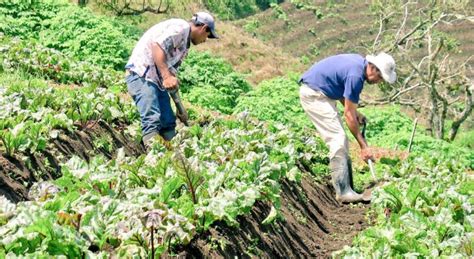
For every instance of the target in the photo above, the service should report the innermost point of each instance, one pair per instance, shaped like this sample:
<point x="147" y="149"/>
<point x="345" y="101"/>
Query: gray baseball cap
<point x="207" y="19"/>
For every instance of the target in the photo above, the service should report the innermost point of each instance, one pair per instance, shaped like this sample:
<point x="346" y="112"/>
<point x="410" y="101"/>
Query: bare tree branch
<point x="125" y="7"/>
<point x="405" y="18"/>
<point x="464" y="114"/>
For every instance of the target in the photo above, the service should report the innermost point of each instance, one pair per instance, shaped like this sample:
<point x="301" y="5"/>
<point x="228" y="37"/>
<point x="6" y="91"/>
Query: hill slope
<point x="326" y="29"/>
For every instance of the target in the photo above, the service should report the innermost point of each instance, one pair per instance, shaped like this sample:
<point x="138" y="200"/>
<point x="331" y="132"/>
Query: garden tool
<point x="180" y="110"/>
<point x="370" y="162"/>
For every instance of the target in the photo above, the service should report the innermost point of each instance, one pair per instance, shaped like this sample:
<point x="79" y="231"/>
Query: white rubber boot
<point x="342" y="184"/>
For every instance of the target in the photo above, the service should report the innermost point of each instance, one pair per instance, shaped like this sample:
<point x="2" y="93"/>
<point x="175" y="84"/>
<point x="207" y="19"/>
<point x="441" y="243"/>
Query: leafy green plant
<point x="14" y="140"/>
<point x="24" y="18"/>
<point x="275" y="100"/>
<point x="33" y="112"/>
<point x="88" y="37"/>
<point x="279" y="13"/>
<point x="74" y="31"/>
<point x="211" y="82"/>
<point x="420" y="214"/>
<point x="389" y="127"/>
<point x="234" y="9"/>
<point x="147" y="205"/>
<point x="105" y="143"/>
<point x="307" y="5"/>
<point x="37" y="60"/>
<point x="251" y="26"/>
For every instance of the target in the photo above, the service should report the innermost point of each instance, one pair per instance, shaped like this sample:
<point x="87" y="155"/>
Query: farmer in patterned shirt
<point x="152" y="67"/>
<point x="341" y="78"/>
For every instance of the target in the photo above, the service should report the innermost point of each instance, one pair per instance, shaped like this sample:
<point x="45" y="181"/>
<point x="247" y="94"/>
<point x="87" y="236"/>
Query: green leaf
<point x="171" y="185"/>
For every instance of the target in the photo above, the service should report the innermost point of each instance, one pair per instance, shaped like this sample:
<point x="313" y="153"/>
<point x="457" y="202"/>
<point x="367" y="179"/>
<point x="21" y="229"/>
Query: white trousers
<point x="324" y="114"/>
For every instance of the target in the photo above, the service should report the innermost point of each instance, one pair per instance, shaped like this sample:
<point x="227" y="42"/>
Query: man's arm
<point x="360" y="117"/>
<point x="159" y="57"/>
<point x="350" y="113"/>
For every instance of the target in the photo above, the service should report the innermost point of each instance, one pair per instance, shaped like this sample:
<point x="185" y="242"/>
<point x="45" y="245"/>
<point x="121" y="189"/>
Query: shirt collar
<point x="365" y="69"/>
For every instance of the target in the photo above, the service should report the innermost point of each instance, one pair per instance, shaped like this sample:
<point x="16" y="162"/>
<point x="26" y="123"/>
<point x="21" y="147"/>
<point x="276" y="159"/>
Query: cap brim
<point x="390" y="78"/>
<point x="213" y="35"/>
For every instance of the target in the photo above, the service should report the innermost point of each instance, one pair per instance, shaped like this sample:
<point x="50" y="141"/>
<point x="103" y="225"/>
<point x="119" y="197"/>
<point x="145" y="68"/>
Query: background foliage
<point x="211" y="82"/>
<point x="234" y="9"/>
<point x="76" y="32"/>
<point x="276" y="100"/>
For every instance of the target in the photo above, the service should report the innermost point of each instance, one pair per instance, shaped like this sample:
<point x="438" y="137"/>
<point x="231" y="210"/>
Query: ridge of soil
<point x="17" y="175"/>
<point x="314" y="225"/>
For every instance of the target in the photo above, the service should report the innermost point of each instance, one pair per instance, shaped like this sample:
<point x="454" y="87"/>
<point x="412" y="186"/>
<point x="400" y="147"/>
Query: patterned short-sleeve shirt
<point x="173" y="36"/>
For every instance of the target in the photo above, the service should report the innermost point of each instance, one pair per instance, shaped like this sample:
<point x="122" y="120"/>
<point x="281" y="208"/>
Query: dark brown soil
<point x="314" y="225"/>
<point x="18" y="174"/>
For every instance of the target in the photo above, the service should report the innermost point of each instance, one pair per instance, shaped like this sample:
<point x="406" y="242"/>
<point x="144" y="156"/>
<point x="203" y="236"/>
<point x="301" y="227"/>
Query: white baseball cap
<point x="207" y="19"/>
<point x="386" y="64"/>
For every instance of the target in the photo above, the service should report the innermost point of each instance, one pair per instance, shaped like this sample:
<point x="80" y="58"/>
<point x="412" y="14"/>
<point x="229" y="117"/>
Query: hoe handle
<point x="370" y="162"/>
<point x="180" y="110"/>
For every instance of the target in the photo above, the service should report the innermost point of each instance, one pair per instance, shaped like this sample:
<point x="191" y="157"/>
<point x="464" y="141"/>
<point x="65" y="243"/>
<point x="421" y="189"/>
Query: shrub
<point x="276" y="100"/>
<point x="211" y="82"/>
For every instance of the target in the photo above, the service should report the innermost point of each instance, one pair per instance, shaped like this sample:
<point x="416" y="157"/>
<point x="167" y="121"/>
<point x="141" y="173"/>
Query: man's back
<point x="340" y="76"/>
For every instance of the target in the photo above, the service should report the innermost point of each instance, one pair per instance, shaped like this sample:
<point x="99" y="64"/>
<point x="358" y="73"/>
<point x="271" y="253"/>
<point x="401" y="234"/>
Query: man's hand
<point x="366" y="154"/>
<point x="170" y="82"/>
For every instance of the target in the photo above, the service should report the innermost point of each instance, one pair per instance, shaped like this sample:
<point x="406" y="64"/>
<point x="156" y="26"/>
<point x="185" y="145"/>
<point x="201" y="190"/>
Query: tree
<point x="429" y="80"/>
<point x="135" y="7"/>
<point x="82" y="3"/>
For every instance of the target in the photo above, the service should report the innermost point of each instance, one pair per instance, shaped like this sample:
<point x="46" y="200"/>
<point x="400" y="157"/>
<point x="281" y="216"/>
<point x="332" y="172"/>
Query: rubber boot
<point x="341" y="181"/>
<point x="367" y="195"/>
<point x="149" y="139"/>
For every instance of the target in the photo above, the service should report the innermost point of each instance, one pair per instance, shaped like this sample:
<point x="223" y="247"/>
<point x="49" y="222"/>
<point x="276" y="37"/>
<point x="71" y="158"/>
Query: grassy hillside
<point x="248" y="55"/>
<point x="258" y="60"/>
<point x="323" y="28"/>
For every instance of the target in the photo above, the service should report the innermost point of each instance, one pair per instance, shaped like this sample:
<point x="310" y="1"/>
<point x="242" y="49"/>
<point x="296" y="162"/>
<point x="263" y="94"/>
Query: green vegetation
<point x="234" y="9"/>
<point x="33" y="58"/>
<point x="76" y="32"/>
<point x="216" y="173"/>
<point x="389" y="127"/>
<point x="61" y="69"/>
<point x="426" y="212"/>
<point x="276" y="100"/>
<point x="211" y="82"/>
<point x="33" y="111"/>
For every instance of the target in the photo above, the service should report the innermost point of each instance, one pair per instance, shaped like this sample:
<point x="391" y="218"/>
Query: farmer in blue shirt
<point x="341" y="78"/>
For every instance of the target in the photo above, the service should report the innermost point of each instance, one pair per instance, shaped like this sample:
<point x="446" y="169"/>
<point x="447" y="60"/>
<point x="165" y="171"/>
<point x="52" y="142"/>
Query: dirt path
<point x="314" y="225"/>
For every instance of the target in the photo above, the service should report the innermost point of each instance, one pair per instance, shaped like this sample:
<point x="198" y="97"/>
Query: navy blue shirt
<point x="340" y="76"/>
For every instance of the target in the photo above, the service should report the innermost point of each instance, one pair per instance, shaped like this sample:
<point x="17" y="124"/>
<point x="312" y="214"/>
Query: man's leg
<point x="324" y="115"/>
<point x="145" y="95"/>
<point x="168" y="119"/>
